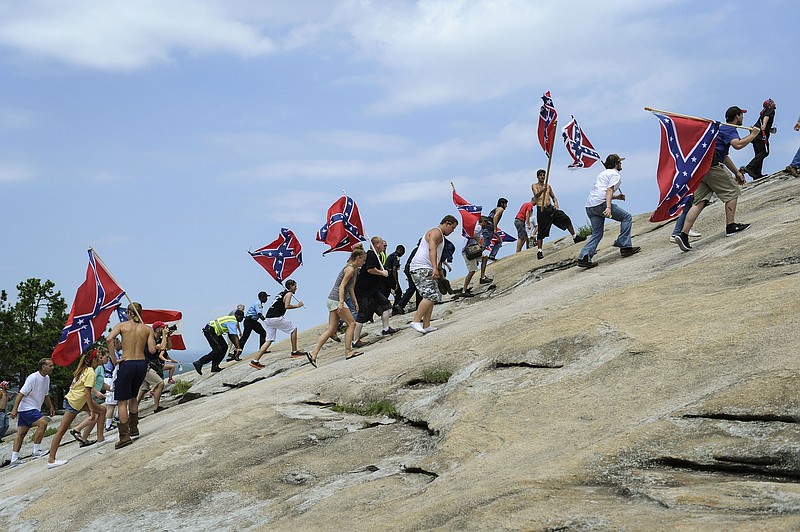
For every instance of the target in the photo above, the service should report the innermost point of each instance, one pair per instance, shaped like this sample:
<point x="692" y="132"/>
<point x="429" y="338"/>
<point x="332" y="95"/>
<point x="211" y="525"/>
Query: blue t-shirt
<point x="254" y="310"/>
<point x="726" y="135"/>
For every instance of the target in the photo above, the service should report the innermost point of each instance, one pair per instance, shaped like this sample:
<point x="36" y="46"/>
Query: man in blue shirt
<point x="251" y="316"/>
<point x="719" y="181"/>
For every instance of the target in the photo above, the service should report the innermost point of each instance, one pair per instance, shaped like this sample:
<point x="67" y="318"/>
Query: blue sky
<point x="173" y="136"/>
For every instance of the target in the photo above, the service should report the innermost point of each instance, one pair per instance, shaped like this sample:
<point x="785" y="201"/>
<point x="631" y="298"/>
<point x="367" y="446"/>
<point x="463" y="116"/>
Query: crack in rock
<point x="764" y="418"/>
<point x="733" y="468"/>
<point x="499" y="365"/>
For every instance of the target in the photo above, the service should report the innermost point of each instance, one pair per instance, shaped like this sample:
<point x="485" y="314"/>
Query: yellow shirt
<point x="77" y="392"/>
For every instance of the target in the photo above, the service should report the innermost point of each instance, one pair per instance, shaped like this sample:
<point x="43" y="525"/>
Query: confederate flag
<point x="170" y="317"/>
<point x="547" y="124"/>
<point x="96" y="299"/>
<point x="687" y="149"/>
<point x="280" y="257"/>
<point x="344" y="229"/>
<point x="470" y="214"/>
<point x="580" y="149"/>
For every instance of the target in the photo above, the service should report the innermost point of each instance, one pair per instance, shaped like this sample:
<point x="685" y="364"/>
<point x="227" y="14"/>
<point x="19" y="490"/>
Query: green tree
<point x="29" y="331"/>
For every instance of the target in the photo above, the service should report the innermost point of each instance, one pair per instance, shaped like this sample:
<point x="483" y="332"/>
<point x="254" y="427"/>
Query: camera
<point x="172" y="328"/>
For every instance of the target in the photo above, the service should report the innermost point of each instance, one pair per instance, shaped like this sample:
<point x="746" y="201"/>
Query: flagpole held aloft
<point x="547" y="172"/>
<point x="695" y="118"/>
<point x="130" y="302"/>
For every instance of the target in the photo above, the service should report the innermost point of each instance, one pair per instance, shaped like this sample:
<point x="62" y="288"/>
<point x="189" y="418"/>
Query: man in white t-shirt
<point x="28" y="405"/>
<point x="599" y="206"/>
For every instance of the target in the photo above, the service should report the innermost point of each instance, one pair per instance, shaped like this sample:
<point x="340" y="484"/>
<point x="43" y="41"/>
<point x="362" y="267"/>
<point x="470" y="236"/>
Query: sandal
<point x="77" y="436"/>
<point x="313" y="362"/>
<point x="354" y="354"/>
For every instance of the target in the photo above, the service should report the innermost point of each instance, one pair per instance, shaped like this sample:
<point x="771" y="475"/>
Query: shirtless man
<point x="548" y="213"/>
<point x="132" y="369"/>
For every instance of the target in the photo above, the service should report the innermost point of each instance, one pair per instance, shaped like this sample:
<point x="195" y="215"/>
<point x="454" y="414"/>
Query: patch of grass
<point x="584" y="230"/>
<point x="180" y="387"/>
<point x="375" y="408"/>
<point x="436" y="376"/>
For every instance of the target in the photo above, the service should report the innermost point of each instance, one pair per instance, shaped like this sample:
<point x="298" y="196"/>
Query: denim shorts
<point x="68" y="408"/>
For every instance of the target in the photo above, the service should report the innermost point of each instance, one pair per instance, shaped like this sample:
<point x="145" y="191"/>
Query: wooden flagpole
<point x="549" y="160"/>
<point x="97" y="257"/>
<point x="695" y="118"/>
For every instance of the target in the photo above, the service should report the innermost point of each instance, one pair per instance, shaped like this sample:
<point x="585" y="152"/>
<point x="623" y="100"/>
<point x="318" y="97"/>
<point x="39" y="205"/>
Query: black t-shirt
<point x="392" y="262"/>
<point x="368" y="284"/>
<point x="769" y="112"/>
<point x="277" y="309"/>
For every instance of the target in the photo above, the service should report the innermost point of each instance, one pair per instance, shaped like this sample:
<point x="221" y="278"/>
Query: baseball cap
<point x="612" y="160"/>
<point x="769" y="102"/>
<point x="158" y="324"/>
<point x="732" y="111"/>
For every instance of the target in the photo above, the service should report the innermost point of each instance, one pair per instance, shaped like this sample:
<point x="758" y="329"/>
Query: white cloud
<point x="15" y="172"/>
<point x="122" y="35"/>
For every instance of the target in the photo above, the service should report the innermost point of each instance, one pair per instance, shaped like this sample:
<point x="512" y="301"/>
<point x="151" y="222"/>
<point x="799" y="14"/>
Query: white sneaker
<point x="417" y="326"/>
<point x="694" y="234"/>
<point x="57" y="463"/>
<point x="430" y="329"/>
<point x="16" y="463"/>
<point x="39" y="454"/>
<point x="109" y="439"/>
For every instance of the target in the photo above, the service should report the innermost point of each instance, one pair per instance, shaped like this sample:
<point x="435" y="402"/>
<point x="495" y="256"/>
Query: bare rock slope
<point x="653" y="392"/>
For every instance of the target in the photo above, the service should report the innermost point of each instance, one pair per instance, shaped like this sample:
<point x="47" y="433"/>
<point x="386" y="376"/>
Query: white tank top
<point x="422" y="259"/>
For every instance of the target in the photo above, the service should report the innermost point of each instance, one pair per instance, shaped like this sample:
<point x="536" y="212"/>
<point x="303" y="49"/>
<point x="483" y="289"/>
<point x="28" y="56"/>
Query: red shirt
<point x="525" y="209"/>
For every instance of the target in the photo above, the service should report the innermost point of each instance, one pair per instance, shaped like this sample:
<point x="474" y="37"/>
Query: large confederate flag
<point x="343" y="229"/>
<point x="687" y="149"/>
<point x="96" y="299"/>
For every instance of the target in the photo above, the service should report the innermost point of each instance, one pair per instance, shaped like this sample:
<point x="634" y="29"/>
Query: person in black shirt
<point x="368" y="292"/>
<point x="761" y="143"/>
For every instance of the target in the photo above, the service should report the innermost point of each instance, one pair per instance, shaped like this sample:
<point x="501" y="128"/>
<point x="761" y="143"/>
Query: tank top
<point x="422" y="260"/>
<point x="334" y="295"/>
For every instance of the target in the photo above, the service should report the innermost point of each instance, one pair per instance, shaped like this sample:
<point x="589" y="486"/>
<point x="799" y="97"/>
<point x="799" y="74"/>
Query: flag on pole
<point x="95" y="301"/>
<point x="470" y="214"/>
<point x="501" y="236"/>
<point x="169" y="317"/>
<point x="280" y="257"/>
<point x="687" y="150"/>
<point x="580" y="149"/>
<point x="547" y="124"/>
<point x="344" y="229"/>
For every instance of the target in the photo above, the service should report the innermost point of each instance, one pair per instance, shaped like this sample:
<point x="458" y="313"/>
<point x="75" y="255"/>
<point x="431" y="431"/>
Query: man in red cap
<point x="718" y="180"/>
<point x="761" y="142"/>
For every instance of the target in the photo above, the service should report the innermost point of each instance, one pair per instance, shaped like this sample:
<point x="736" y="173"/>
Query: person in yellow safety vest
<point x="214" y="332"/>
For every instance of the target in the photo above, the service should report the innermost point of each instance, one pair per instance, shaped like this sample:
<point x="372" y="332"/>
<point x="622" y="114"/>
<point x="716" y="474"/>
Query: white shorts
<point x="110" y="393"/>
<point x="472" y="265"/>
<point x="273" y="325"/>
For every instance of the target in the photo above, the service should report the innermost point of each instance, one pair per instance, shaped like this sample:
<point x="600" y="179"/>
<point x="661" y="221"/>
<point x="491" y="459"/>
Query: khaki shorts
<point x="720" y="182"/>
<point x="151" y="380"/>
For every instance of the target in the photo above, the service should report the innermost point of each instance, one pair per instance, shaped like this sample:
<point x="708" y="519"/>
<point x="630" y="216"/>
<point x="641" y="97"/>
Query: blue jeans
<point x="598" y="222"/>
<point x="796" y="160"/>
<point x="682" y="218"/>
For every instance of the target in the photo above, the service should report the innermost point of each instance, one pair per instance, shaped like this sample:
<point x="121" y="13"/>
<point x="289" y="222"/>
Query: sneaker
<point x="160" y="409"/>
<point x="389" y="331"/>
<point x="359" y="344"/>
<point x="467" y="294"/>
<point x="586" y="263"/>
<point x="485" y="280"/>
<point x="430" y="329"/>
<point x="539" y="255"/>
<point x="732" y="229"/>
<point x="39" y="454"/>
<point x="215" y="370"/>
<point x="257" y="365"/>
<point x="578" y="238"/>
<point x="683" y="242"/>
<point x="15" y="463"/>
<point x="197" y="367"/>
<point x="694" y="234"/>
<point x="417" y="326"/>
<point x="56" y="463"/>
<point x="627" y="252"/>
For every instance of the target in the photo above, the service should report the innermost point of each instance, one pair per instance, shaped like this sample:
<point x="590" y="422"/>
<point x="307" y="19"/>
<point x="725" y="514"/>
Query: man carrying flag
<point x="718" y="181"/>
<point x="136" y="337"/>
